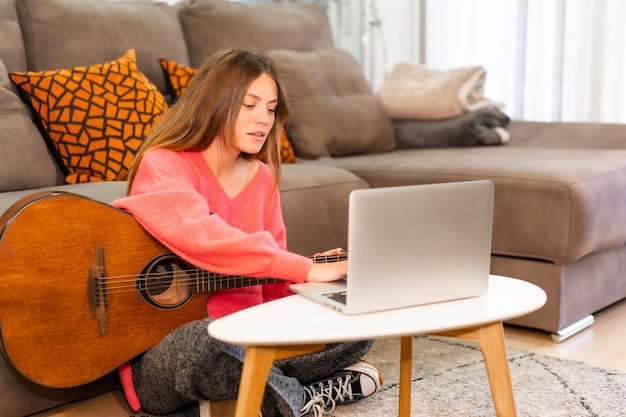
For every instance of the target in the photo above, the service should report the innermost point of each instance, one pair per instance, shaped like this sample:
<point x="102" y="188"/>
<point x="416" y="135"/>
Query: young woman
<point x="205" y="184"/>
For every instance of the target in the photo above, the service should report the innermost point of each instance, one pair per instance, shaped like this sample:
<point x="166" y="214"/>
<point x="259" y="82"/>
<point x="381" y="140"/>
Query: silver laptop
<point x="412" y="245"/>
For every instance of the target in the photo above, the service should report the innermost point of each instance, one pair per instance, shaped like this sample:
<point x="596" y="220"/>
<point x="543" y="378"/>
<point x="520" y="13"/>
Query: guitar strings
<point x="120" y="284"/>
<point x="200" y="278"/>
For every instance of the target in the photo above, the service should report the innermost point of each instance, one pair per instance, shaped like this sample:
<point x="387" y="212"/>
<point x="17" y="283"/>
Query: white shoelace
<point x="331" y="393"/>
<point x="317" y="404"/>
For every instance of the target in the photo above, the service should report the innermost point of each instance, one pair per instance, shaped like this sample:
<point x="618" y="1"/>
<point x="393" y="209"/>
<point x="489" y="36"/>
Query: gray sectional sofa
<point x="560" y="189"/>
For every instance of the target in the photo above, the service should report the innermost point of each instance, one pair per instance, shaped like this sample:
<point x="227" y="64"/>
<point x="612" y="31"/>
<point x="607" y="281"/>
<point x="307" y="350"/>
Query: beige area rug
<point x="449" y="379"/>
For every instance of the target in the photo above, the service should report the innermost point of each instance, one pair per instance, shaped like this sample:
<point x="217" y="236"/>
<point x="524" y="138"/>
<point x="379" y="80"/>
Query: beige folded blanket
<point x="413" y="91"/>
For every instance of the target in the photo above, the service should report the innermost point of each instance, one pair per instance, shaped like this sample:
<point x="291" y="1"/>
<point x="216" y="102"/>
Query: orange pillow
<point x="94" y="118"/>
<point x="178" y="78"/>
<point x="287" y="154"/>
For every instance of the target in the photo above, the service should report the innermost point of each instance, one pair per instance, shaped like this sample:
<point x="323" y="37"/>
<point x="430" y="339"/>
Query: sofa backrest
<point x="26" y="161"/>
<point x="11" y="41"/>
<point x="69" y="33"/>
<point x="40" y="35"/>
<point x="211" y="25"/>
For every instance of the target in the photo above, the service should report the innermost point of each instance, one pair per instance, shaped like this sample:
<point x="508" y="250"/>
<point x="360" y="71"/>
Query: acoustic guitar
<point x="84" y="288"/>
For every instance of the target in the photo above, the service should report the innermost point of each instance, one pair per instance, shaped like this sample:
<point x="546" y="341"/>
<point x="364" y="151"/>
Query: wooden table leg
<point x="221" y="408"/>
<point x="406" y="376"/>
<point x="490" y="338"/>
<point x="256" y="368"/>
<point x="493" y="347"/>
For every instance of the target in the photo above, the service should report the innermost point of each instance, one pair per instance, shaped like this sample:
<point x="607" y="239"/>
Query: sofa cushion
<point x="11" y="42"/>
<point x="211" y="26"/>
<point x="26" y="162"/>
<point x="94" y="117"/>
<point x="589" y="135"/>
<point x="179" y="78"/>
<point x="70" y="33"/>
<point x="105" y="191"/>
<point x="334" y="110"/>
<point x="314" y="200"/>
<point x="557" y="205"/>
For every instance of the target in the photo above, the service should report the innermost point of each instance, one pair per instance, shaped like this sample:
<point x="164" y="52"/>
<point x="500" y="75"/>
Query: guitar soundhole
<point x="166" y="281"/>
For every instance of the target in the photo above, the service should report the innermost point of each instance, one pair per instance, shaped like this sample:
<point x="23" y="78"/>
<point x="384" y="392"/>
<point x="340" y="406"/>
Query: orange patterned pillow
<point x="93" y="117"/>
<point x="178" y="78"/>
<point x="287" y="154"/>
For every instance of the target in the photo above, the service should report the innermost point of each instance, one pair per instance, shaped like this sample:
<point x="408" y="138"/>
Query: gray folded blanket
<point x="484" y="126"/>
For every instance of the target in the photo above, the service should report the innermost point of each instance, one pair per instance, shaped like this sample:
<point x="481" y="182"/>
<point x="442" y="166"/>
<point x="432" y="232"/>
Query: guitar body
<point x="73" y="303"/>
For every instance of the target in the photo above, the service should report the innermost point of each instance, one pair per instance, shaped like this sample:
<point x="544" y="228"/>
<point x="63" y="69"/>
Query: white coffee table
<point x="294" y="325"/>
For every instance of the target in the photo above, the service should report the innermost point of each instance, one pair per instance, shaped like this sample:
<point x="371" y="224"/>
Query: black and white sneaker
<point x="346" y="386"/>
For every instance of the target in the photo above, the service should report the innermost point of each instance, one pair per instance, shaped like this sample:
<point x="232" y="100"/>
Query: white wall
<point x="346" y="21"/>
<point x="391" y="35"/>
<point x="546" y="60"/>
<point x="379" y="33"/>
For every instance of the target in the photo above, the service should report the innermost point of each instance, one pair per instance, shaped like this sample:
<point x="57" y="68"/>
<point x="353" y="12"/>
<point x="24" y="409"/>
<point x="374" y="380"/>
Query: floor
<point x="603" y="344"/>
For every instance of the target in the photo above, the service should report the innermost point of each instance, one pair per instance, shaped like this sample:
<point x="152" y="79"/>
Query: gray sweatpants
<point x="188" y="366"/>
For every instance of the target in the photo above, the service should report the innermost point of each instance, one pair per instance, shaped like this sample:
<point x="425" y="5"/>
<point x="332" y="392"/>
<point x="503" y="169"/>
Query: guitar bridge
<point x="97" y="291"/>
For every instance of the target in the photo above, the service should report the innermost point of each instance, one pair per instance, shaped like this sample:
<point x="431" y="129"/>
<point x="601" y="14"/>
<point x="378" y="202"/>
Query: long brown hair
<point x="209" y="109"/>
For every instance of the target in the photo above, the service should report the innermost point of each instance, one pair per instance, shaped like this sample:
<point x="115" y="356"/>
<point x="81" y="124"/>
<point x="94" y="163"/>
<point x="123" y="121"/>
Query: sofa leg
<point x="572" y="329"/>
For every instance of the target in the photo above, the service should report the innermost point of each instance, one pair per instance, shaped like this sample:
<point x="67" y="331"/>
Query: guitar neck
<point x="207" y="282"/>
<point x="322" y="259"/>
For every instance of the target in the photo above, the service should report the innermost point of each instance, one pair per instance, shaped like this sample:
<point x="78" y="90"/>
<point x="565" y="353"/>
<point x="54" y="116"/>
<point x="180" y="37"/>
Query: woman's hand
<point x="328" y="271"/>
<point x="331" y="252"/>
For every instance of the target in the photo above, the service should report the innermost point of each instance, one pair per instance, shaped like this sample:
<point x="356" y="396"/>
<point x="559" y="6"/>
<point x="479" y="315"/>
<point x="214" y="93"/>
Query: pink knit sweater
<point x="177" y="198"/>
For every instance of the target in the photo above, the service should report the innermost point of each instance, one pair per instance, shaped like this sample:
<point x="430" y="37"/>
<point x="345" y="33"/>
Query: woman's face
<point x="257" y="114"/>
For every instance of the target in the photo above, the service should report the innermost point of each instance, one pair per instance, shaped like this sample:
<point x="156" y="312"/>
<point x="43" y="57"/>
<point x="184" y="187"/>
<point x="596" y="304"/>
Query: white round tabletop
<point x="296" y="320"/>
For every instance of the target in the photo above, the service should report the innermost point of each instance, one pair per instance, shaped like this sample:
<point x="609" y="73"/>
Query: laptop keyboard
<point x="338" y="296"/>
